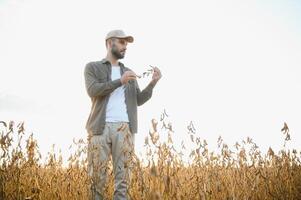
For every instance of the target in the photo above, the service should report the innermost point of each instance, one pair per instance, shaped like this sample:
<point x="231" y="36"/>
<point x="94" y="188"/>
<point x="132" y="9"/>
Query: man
<point x="112" y="123"/>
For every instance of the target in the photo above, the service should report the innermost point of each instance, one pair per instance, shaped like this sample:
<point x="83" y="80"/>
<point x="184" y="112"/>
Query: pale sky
<point x="231" y="67"/>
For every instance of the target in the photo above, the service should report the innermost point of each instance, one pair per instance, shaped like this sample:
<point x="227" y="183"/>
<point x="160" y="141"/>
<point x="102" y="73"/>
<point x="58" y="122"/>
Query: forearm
<point x="103" y="89"/>
<point x="145" y="94"/>
<point x="98" y="87"/>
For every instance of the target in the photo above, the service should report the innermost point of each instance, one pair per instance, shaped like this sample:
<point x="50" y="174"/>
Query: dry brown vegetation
<point x="239" y="173"/>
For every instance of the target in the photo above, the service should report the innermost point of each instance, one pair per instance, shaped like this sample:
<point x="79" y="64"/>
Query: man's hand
<point x="156" y="75"/>
<point x="128" y="75"/>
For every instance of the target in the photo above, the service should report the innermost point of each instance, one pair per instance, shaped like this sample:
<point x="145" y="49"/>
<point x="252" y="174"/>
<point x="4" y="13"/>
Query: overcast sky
<point x="231" y="67"/>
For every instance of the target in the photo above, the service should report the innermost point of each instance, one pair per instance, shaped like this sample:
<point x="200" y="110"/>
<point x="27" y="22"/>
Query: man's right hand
<point x="128" y="75"/>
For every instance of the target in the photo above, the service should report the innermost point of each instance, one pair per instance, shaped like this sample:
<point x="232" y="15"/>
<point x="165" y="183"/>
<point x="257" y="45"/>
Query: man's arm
<point x="94" y="87"/>
<point x="144" y="95"/>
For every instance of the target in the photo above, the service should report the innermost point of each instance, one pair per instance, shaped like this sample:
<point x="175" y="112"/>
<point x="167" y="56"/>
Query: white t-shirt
<point x="116" y="108"/>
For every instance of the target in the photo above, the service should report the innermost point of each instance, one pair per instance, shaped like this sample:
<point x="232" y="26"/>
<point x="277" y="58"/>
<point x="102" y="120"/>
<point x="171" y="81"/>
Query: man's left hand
<point x="156" y="75"/>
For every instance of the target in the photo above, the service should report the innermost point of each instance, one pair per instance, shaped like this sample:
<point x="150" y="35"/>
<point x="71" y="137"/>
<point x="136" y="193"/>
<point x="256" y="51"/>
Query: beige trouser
<point x="118" y="141"/>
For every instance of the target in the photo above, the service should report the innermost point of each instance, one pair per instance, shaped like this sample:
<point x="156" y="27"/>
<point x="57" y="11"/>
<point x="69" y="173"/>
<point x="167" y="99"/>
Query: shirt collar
<point x="104" y="60"/>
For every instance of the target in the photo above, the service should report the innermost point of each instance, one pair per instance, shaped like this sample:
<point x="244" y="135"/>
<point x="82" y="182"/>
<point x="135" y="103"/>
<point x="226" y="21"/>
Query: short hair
<point x="113" y="39"/>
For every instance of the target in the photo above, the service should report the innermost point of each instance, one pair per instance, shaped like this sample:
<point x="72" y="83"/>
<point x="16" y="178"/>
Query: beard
<point x="116" y="53"/>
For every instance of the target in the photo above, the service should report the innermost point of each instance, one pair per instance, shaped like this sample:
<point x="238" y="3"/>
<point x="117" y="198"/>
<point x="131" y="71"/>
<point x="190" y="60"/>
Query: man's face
<point x="118" y="47"/>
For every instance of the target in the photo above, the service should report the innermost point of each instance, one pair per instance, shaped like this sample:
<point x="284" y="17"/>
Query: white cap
<point x="119" y="34"/>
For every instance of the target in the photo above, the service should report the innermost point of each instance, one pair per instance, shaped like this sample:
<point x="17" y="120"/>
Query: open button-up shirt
<point x="99" y="85"/>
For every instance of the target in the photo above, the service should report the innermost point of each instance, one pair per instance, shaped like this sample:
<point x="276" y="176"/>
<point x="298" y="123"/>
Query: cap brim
<point x="128" y="38"/>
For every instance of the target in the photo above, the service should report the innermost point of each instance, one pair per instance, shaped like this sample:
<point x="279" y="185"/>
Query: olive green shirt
<point x="99" y="86"/>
